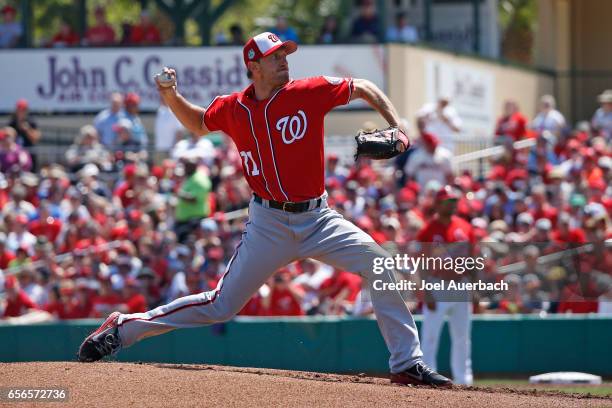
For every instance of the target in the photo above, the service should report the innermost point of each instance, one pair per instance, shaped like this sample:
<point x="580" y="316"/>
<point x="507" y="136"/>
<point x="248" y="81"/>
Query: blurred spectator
<point x="512" y="300"/>
<point x="602" y="119"/>
<point x="145" y="32"/>
<point x="312" y="276"/>
<point x="402" y="31"/>
<point x="440" y="119"/>
<point x="194" y="146"/>
<point x="70" y="301"/>
<point x="6" y="255"/>
<point x="127" y="142"/>
<point x="284" y="297"/>
<point x="512" y="123"/>
<point x="18" y="302"/>
<point x="101" y="33"/>
<point x="21" y="258"/>
<point x="193" y="203"/>
<point x="430" y="162"/>
<point x="126" y="33"/>
<point x="133" y="301"/>
<point x="548" y="117"/>
<point x="236" y="35"/>
<point x="339" y="292"/>
<point x="18" y="205"/>
<point x="366" y="26"/>
<point x="134" y="182"/>
<point x="132" y="102"/>
<point x="65" y="37"/>
<point x="88" y="182"/>
<point x="30" y="282"/>
<point x="330" y="31"/>
<point x="13" y="158"/>
<point x="87" y="149"/>
<point x="46" y="225"/>
<point x="335" y="172"/>
<point x="542" y="156"/>
<point x="106" y="299"/>
<point x="107" y="118"/>
<point x="534" y="300"/>
<point x="10" y="30"/>
<point x="28" y="134"/>
<point x="168" y="130"/>
<point x="283" y="31"/>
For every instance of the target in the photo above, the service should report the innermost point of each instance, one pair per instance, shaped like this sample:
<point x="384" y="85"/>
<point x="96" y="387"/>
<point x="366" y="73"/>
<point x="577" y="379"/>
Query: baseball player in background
<point x="447" y="235"/>
<point x="277" y="126"/>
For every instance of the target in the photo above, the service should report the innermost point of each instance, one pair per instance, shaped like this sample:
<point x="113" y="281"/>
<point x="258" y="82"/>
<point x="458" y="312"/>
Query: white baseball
<point x="165" y="80"/>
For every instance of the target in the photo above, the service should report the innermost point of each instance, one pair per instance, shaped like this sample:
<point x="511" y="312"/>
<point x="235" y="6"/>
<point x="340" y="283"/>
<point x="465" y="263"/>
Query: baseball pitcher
<point x="277" y="126"/>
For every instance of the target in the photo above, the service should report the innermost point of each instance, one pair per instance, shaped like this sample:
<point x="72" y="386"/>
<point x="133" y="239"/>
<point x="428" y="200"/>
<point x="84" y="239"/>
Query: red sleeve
<point x="137" y="304"/>
<point x="27" y="302"/>
<point x="423" y="235"/>
<point x="521" y="131"/>
<point x="331" y="91"/>
<point x="218" y="113"/>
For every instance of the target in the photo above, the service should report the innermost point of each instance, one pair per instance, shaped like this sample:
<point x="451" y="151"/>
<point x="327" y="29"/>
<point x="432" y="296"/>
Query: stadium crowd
<point x="363" y="27"/>
<point x="113" y="228"/>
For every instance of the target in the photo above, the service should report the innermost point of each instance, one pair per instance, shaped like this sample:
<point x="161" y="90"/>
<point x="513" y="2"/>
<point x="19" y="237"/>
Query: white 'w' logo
<point x="295" y="125"/>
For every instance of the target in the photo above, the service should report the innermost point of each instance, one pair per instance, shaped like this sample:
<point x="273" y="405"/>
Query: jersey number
<point x="251" y="171"/>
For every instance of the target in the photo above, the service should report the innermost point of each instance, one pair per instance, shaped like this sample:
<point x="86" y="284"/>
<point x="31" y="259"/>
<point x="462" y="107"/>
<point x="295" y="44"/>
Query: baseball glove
<point x="381" y="144"/>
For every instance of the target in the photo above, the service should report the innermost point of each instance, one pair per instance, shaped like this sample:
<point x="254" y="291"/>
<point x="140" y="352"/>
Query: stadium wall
<point x="500" y="344"/>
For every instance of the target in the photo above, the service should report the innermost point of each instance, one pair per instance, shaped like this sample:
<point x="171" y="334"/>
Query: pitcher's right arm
<point x="191" y="116"/>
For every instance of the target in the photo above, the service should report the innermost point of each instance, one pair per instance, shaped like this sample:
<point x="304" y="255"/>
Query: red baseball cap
<point x="446" y="193"/>
<point x="129" y="170"/>
<point x="21" y="219"/>
<point x="265" y="44"/>
<point x="430" y="139"/>
<point x="21" y="104"/>
<point x="132" y="98"/>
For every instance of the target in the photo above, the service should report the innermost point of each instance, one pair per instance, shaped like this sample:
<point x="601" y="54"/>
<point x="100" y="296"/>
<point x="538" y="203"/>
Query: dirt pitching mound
<point x="167" y="385"/>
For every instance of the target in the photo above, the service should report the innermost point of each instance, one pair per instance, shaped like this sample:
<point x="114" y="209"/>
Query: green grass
<point x="603" y="390"/>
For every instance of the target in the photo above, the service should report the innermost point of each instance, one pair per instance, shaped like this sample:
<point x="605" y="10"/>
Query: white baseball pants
<point x="459" y="324"/>
<point x="272" y="239"/>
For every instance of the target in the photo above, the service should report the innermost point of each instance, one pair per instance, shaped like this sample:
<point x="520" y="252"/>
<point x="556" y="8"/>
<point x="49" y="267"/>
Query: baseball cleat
<point x="102" y="342"/>
<point x="420" y="374"/>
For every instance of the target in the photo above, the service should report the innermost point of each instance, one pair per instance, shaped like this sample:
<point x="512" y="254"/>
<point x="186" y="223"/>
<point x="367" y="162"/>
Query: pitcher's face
<point x="272" y="69"/>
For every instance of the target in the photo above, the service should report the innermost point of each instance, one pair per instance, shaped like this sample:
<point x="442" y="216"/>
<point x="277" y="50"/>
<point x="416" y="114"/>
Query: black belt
<point x="289" y="206"/>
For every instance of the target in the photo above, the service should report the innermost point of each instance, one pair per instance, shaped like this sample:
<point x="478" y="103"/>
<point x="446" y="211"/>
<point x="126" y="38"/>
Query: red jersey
<point x="100" y="35"/>
<point x="72" y="309"/>
<point x="280" y="139"/>
<point x="49" y="228"/>
<point x="514" y="126"/>
<point x="19" y="306"/>
<point x="68" y="39"/>
<point x="6" y="256"/>
<point x="344" y="280"/>
<point x="283" y="303"/>
<point x="136" y="303"/>
<point x="145" y="35"/>
<point x="435" y="232"/>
